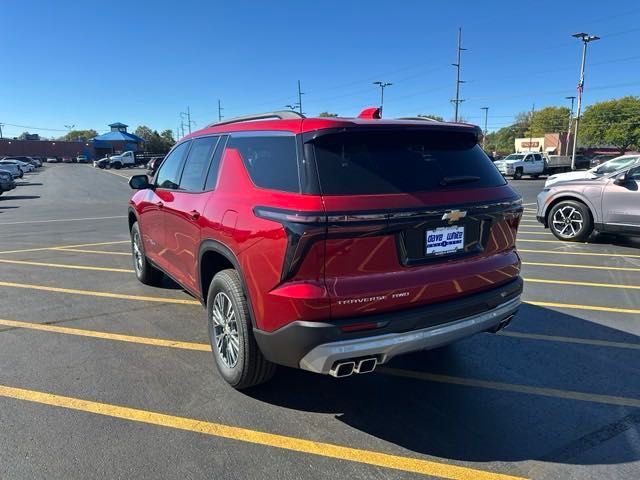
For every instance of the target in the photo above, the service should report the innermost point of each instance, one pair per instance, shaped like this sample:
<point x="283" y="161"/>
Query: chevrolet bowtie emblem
<point x="454" y="215"/>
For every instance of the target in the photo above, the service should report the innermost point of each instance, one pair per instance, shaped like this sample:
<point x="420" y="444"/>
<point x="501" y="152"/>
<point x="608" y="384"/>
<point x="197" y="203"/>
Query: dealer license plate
<point x="444" y="240"/>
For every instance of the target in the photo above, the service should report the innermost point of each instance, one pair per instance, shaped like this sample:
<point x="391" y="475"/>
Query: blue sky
<point x="93" y="63"/>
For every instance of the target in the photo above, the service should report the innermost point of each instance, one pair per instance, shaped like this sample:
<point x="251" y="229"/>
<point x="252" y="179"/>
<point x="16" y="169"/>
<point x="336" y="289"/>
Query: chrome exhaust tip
<point x="502" y="325"/>
<point x="342" y="369"/>
<point x="366" y="365"/>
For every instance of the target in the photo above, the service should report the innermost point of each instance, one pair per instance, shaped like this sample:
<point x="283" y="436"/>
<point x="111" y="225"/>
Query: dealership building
<point x="116" y="140"/>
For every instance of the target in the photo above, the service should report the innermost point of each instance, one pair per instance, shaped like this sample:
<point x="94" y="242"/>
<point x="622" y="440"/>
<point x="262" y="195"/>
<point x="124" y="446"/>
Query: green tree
<point x="327" y="114"/>
<point x="614" y="122"/>
<point x="434" y="117"/>
<point x="155" y="142"/>
<point x="549" y="120"/>
<point x="79" y="135"/>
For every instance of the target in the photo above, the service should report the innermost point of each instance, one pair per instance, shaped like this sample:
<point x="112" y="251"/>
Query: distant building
<point x="117" y="140"/>
<point x="551" y="144"/>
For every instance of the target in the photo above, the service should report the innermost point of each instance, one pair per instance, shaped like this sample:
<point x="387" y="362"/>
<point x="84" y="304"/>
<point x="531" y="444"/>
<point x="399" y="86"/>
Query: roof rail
<point x="278" y="115"/>
<point x="422" y="119"/>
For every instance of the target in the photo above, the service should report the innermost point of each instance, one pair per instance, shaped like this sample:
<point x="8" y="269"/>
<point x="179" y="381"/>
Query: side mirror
<point x="621" y="179"/>
<point x="140" y="182"/>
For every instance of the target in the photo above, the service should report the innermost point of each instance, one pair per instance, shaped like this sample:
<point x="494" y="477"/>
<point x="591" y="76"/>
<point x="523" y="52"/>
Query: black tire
<point x="518" y="174"/>
<point x="145" y="272"/>
<point x="577" y="222"/>
<point x="250" y="367"/>
<point x="535" y="176"/>
<point x="117" y="165"/>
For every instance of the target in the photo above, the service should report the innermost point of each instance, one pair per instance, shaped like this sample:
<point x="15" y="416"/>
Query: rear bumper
<point x="317" y="346"/>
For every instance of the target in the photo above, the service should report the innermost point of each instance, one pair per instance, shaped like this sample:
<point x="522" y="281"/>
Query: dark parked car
<point x="7" y="182"/>
<point x="153" y="165"/>
<point x="331" y="244"/>
<point x="607" y="203"/>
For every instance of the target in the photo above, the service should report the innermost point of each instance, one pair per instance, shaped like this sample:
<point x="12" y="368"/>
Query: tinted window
<point x="401" y="161"/>
<point x="270" y="160"/>
<point x="169" y="172"/>
<point x="212" y="176"/>
<point x="634" y="174"/>
<point x="197" y="164"/>
<point x="537" y="157"/>
<point x="615" y="165"/>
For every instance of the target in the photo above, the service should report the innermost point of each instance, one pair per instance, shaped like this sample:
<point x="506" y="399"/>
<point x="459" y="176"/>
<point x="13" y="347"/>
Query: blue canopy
<point x="118" y="137"/>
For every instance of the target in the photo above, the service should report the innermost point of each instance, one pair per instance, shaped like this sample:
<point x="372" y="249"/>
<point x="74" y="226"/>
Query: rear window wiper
<point x="458" y="179"/>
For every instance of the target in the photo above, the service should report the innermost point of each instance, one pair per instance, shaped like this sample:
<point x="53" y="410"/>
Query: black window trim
<point x="180" y="167"/>
<point x="184" y="163"/>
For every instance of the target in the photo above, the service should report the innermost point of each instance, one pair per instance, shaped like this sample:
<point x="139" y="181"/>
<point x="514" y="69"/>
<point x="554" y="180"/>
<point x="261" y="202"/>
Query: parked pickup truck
<point x="535" y="164"/>
<point x="126" y="159"/>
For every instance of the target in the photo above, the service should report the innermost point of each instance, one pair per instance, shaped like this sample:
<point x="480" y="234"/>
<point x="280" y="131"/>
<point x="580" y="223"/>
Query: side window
<point x="272" y="161"/>
<point x="169" y="172"/>
<point x="537" y="157"/>
<point x="634" y="174"/>
<point x="212" y="176"/>
<point x="197" y="164"/>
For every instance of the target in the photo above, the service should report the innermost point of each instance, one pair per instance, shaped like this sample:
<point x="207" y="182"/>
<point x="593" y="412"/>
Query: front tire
<point x="235" y="351"/>
<point x="145" y="272"/>
<point x="518" y="174"/>
<point x="570" y="221"/>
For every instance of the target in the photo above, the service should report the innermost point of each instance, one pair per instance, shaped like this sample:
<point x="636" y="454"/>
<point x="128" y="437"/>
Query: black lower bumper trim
<point x="289" y="344"/>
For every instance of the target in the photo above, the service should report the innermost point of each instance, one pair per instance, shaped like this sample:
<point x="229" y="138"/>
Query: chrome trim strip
<point x="322" y="358"/>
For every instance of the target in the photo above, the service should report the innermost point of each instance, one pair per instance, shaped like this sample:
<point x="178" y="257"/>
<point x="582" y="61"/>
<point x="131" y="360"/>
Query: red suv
<point x="331" y="244"/>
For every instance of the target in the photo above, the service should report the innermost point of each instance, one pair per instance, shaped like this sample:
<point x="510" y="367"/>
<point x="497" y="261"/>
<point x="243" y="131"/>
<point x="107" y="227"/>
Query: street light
<point x="486" y="116"/>
<point x="572" y="98"/>
<point x="585" y="38"/>
<point x="382" y="86"/>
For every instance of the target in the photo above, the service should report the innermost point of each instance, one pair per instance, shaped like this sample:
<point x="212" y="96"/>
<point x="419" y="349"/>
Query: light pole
<point x="585" y="38"/>
<point x="572" y="98"/>
<point x="486" y="117"/>
<point x="382" y="86"/>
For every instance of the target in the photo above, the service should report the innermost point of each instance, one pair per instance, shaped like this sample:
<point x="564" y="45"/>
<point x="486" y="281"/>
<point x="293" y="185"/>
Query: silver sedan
<point x="573" y="209"/>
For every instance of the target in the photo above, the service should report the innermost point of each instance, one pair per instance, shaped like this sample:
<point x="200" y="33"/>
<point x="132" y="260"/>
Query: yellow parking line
<point x="61" y="220"/>
<point x="580" y="341"/>
<point x="93" y="293"/>
<point x="517" y="388"/>
<point x="71" y="267"/>
<point x="539" y="241"/>
<point x="533" y="233"/>
<point x="114" y="173"/>
<point x="591" y="254"/>
<point x="588" y="267"/>
<point x="40" y="249"/>
<point x="327" y="450"/>
<point x="102" y="252"/>
<point x="156" y="342"/>
<point x="594" y="308"/>
<point x="582" y="284"/>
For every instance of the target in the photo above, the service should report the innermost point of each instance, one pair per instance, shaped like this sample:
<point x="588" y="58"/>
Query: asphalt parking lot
<point x="103" y="377"/>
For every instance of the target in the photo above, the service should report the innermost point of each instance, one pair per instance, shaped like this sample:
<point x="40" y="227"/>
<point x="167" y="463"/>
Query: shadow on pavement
<point x="20" y="197"/>
<point x="466" y="423"/>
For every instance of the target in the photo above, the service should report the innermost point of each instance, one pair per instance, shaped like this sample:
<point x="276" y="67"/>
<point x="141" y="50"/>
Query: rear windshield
<point x="401" y="161"/>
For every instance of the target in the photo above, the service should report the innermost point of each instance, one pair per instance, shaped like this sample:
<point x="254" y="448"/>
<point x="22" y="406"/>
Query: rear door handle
<point x="194" y="214"/>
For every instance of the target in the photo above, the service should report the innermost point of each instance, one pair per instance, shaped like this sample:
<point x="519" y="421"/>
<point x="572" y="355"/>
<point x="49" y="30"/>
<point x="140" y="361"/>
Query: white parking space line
<point x="63" y="220"/>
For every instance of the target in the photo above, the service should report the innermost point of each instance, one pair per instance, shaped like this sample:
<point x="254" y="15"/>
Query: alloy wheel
<point x="137" y="253"/>
<point x="567" y="221"/>
<point x="225" y="328"/>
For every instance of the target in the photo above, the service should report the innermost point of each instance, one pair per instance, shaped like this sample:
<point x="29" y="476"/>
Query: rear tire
<point x="235" y="351"/>
<point x="518" y="174"/>
<point x="570" y="221"/>
<point x="145" y="272"/>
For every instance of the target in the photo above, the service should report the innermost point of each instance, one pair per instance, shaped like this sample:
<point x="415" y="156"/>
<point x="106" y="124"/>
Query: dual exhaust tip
<point x="346" y="368"/>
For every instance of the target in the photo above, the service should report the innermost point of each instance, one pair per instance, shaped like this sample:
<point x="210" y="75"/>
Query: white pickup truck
<point x="518" y="164"/>
<point x="534" y="164"/>
<point x="126" y="159"/>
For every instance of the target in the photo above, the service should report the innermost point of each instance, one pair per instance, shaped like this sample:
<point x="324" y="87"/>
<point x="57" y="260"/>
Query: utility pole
<point x="182" y="125"/>
<point x="189" y="122"/>
<point x="486" y="117"/>
<point x="572" y="98"/>
<point x="1" y="125"/>
<point x="533" y="110"/>
<point x="300" y="97"/>
<point x="585" y="38"/>
<point x="382" y="86"/>
<point x="457" y="101"/>
<point x="178" y="132"/>
<point x="219" y="111"/>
